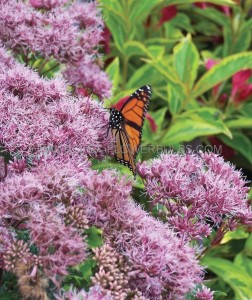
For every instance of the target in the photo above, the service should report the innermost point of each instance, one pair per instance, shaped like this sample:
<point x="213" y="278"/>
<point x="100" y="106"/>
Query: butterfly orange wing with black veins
<point x="126" y="126"/>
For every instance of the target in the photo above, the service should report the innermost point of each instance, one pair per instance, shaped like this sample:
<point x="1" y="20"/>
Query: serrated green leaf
<point x="195" y="123"/>
<point x="113" y="71"/>
<point x="239" y="142"/>
<point x="186" y="61"/>
<point x="239" y="280"/>
<point x="222" y="71"/>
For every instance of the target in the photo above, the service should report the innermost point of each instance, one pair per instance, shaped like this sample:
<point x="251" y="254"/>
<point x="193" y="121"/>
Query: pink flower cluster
<point x="54" y="195"/>
<point x="36" y="201"/>
<point x="70" y="33"/>
<point x="38" y="115"/>
<point x="193" y="190"/>
<point x="163" y="266"/>
<point x="94" y="293"/>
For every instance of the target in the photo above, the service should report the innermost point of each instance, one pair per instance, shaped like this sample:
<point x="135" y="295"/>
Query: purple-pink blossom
<point x="47" y="4"/>
<point x="37" y="201"/>
<point x="204" y="293"/>
<point x="88" y="75"/>
<point x="67" y="32"/>
<point x="38" y="115"/>
<point x="94" y="293"/>
<point x="196" y="189"/>
<point x="58" y="32"/>
<point x="163" y="266"/>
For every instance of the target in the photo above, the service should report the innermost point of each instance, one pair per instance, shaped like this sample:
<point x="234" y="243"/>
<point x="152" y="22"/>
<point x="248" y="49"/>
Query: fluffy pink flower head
<point x="88" y="75"/>
<point x="48" y="4"/>
<point x="162" y="265"/>
<point x="37" y="201"/>
<point x="94" y="293"/>
<point x="204" y="293"/>
<point x="67" y="32"/>
<point x="38" y="115"/>
<point x="195" y="189"/>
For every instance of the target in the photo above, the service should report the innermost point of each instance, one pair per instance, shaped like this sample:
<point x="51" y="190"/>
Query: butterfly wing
<point x="133" y="111"/>
<point x="123" y="152"/>
<point x="126" y="126"/>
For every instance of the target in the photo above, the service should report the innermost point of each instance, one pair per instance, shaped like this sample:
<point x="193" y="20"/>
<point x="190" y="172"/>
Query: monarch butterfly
<point x="126" y="126"/>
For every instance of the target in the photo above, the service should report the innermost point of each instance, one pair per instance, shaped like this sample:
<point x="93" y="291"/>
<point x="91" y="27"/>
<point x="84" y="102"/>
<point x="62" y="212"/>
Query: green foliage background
<point x="171" y="58"/>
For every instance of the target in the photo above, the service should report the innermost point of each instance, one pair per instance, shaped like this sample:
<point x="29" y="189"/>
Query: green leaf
<point x="228" y="41"/>
<point x="246" y="109"/>
<point x="94" y="237"/>
<point x="86" y="268"/>
<point x="219" y="2"/>
<point x="238" y="234"/>
<point x="114" y="16"/>
<point x="158" y="116"/>
<point x="243" y="40"/>
<point x="213" y="15"/>
<point x="175" y="99"/>
<point x="222" y="71"/>
<point x="133" y="48"/>
<point x="163" y="66"/>
<point x="182" y="21"/>
<point x="113" y="71"/>
<point x="195" y="123"/>
<point x="146" y="74"/>
<point x="239" y="123"/>
<point x="239" y="142"/>
<point x="239" y="280"/>
<point x="244" y="263"/>
<point x="139" y="10"/>
<point x="186" y="61"/>
<point x="248" y="246"/>
<point x="156" y="51"/>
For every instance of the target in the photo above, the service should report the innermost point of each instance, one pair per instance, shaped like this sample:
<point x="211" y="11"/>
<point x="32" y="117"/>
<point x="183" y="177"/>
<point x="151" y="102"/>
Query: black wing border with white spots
<point x="145" y="88"/>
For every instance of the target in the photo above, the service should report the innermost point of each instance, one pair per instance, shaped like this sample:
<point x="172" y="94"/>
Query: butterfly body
<point x="126" y="126"/>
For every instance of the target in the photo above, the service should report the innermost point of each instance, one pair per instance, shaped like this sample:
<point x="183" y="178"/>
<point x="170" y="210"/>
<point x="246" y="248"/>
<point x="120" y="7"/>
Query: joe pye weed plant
<point x="68" y="230"/>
